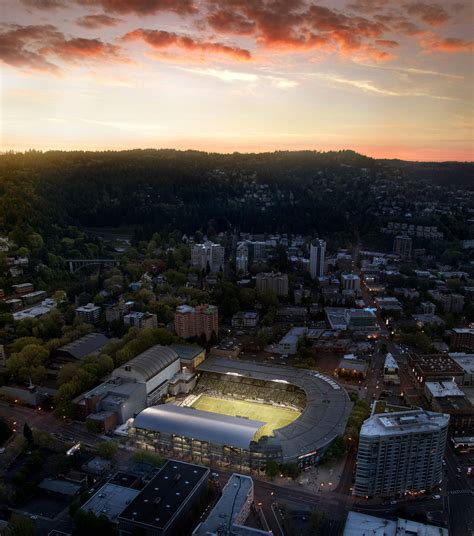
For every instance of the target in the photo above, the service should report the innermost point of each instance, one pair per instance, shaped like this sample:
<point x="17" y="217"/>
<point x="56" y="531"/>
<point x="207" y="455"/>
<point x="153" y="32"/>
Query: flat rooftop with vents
<point x="164" y="500"/>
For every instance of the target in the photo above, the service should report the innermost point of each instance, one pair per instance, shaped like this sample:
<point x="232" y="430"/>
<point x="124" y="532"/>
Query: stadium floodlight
<point x="233" y="374"/>
<point x="280" y="381"/>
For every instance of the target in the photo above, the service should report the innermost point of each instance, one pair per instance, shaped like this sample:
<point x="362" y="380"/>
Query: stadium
<point x="244" y="414"/>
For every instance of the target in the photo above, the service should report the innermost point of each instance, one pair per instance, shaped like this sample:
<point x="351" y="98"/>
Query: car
<point x="393" y="502"/>
<point x="436" y="497"/>
<point x="34" y="517"/>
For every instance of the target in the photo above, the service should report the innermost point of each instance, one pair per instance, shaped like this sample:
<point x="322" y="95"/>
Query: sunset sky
<point x="388" y="78"/>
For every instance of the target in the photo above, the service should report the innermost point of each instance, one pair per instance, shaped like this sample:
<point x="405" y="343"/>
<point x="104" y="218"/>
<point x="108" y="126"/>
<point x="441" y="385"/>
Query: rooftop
<point x="110" y="500"/>
<point x="150" y="362"/>
<point x="163" y="497"/>
<point x="465" y="361"/>
<point x="187" y="351"/>
<point x="87" y="344"/>
<point x="403" y="422"/>
<point x="444" y="389"/>
<point x="232" y="500"/>
<point x="358" y="524"/>
<point x="390" y="362"/>
<point x="197" y="424"/>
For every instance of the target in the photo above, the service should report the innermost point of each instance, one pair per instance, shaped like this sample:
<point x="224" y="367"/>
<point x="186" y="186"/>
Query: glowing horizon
<point x="384" y="78"/>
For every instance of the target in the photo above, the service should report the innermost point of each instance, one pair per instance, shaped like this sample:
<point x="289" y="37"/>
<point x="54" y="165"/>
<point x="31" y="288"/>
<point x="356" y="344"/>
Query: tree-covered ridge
<point x="283" y="191"/>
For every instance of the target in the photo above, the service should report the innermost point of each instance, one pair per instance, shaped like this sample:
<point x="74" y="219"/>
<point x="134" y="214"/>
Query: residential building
<point x="462" y="339"/>
<point x="196" y="321"/>
<point x="400" y="453"/>
<point x="140" y="320"/>
<point x="350" y="282"/>
<point x="117" y="312"/>
<point x="402" y="246"/>
<point x="242" y="258"/>
<point x="231" y="511"/>
<point x="452" y="303"/>
<point x="33" y="297"/>
<point x="317" y="255"/>
<point x="23" y="288"/>
<point x="276" y="282"/>
<point x="89" y="313"/>
<point x="245" y="319"/>
<point x="208" y="257"/>
<point x="428" y="308"/>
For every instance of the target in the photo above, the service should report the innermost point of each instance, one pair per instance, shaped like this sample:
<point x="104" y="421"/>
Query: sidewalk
<point x="316" y="479"/>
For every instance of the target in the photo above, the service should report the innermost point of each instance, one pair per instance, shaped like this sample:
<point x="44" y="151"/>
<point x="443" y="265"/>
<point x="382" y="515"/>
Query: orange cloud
<point x="30" y="47"/>
<point x="162" y="40"/>
<point x="432" y="14"/>
<point x="143" y="7"/>
<point x="433" y="43"/>
<point x="98" y="21"/>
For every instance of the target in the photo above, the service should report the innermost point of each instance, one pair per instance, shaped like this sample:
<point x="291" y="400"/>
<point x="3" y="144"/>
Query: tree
<point x="20" y="526"/>
<point x="318" y="520"/>
<point x="28" y="434"/>
<point x="107" y="449"/>
<point x="272" y="469"/>
<point x="5" y="431"/>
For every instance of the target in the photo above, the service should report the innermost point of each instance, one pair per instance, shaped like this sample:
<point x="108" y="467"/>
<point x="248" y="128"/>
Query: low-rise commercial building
<point x="466" y="362"/>
<point x="231" y="511"/>
<point x="90" y="343"/>
<point x="164" y="505"/>
<point x="434" y="367"/>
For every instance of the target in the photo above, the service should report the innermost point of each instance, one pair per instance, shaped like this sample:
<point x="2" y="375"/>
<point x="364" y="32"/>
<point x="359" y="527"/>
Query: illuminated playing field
<point x="274" y="416"/>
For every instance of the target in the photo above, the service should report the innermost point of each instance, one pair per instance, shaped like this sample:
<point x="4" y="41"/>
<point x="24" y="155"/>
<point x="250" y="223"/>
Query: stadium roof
<point x="151" y="362"/>
<point x="92" y="342"/>
<point x="203" y="425"/>
<point x="327" y="404"/>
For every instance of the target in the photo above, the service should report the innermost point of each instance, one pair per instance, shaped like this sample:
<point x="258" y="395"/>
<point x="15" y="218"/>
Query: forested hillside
<point x="284" y="191"/>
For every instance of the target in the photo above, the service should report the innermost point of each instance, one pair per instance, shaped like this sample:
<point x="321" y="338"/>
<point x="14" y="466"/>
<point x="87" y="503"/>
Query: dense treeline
<point x="166" y="189"/>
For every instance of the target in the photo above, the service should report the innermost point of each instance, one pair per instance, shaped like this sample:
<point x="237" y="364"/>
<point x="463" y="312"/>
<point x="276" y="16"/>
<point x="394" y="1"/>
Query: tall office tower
<point x="400" y="452"/>
<point x="208" y="256"/>
<point x="402" y="246"/>
<point x="316" y="258"/>
<point x="242" y="258"/>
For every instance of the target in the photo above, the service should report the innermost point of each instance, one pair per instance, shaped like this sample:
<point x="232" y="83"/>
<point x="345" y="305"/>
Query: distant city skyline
<point x="386" y="78"/>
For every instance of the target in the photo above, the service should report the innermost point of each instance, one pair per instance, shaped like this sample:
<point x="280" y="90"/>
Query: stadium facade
<point x="212" y="438"/>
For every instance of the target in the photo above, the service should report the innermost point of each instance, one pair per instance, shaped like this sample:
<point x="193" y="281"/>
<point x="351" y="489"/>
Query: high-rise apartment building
<point x="242" y="258"/>
<point x="400" y="452"/>
<point x="317" y="256"/>
<point x="402" y="246"/>
<point x="196" y="321"/>
<point x="277" y="282"/>
<point x="208" y="256"/>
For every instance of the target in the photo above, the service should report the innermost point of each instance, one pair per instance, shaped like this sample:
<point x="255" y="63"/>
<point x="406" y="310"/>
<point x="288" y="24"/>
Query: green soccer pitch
<point x="274" y="416"/>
